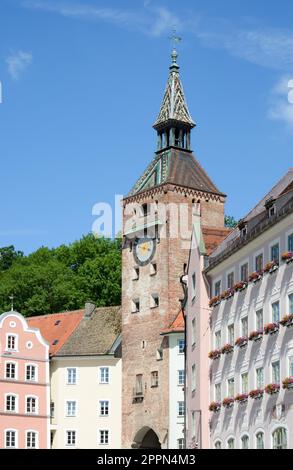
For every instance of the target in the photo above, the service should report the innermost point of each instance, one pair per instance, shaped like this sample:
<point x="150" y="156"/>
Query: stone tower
<point x="157" y="220"/>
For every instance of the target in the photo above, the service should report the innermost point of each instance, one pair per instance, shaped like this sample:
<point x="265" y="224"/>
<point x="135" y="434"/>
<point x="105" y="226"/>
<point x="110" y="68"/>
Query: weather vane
<point x="174" y="38"/>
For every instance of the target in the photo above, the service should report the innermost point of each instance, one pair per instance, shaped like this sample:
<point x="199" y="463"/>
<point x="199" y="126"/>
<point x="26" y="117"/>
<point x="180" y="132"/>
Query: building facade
<point x="197" y="318"/>
<point x="85" y="377"/>
<point x="251" y="279"/>
<point x="25" y="387"/>
<point x="176" y="341"/>
<point x="155" y="254"/>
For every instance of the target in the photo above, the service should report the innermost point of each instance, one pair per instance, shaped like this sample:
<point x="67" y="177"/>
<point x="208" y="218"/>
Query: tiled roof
<point x="56" y="328"/>
<point x="177" y="326"/>
<point x="95" y="334"/>
<point x="213" y="237"/>
<point x="178" y="167"/>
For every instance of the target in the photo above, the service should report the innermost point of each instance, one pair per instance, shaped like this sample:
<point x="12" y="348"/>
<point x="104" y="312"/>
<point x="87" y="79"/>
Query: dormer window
<point x="272" y="211"/>
<point x="242" y="226"/>
<point x="270" y="207"/>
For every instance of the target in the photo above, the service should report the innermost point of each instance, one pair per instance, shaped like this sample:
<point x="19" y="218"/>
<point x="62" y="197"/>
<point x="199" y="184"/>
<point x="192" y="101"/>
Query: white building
<point x="176" y="336"/>
<point x="251" y="278"/>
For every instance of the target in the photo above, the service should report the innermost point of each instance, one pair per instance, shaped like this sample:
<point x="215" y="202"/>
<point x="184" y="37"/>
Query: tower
<point x="157" y="222"/>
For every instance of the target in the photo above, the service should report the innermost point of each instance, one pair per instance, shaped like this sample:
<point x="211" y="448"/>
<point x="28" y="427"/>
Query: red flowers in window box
<point x="272" y="388"/>
<point x="241" y="341"/>
<point x="255" y="276"/>
<point x="227" y="294"/>
<point x="215" y="301"/>
<point x="241" y="397"/>
<point x="287" y="256"/>
<point x="271" y="328"/>
<point x="288" y="383"/>
<point x="271" y="267"/>
<point x="228" y="402"/>
<point x="241" y="285"/>
<point x="215" y="406"/>
<point x="256" y="394"/>
<point x="287" y="320"/>
<point x="227" y="348"/>
<point x="215" y="354"/>
<point x="255" y="335"/>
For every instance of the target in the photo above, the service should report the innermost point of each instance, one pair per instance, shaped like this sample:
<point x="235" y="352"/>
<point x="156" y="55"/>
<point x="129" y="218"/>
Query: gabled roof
<point x="175" y="166"/>
<point x="56" y="328"/>
<point x="177" y="326"/>
<point x="174" y="106"/>
<point x="95" y="335"/>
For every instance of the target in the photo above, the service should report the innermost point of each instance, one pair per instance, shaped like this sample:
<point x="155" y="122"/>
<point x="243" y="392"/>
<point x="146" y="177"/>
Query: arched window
<point x="280" y="438"/>
<point x="245" y="442"/>
<point x="260" y="440"/>
<point x="231" y="443"/>
<point x="218" y="445"/>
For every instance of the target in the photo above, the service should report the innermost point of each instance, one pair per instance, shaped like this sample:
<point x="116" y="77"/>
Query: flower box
<point x="255" y="276"/>
<point x="240" y="286"/>
<point x="288" y="383"/>
<point x="227" y="294"/>
<point x="256" y="394"/>
<point x="272" y="388"/>
<point x="255" y="335"/>
<point x="271" y="267"/>
<point x="287" y="320"/>
<point x="215" y="354"/>
<point x="241" y="341"/>
<point x="227" y="348"/>
<point x="215" y="301"/>
<point x="271" y="328"/>
<point x="287" y="256"/>
<point x="241" y="397"/>
<point x="228" y="402"/>
<point x="215" y="406"/>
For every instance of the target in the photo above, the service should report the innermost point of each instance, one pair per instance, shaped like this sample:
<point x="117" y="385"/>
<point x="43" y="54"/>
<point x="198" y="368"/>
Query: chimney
<point x="89" y="309"/>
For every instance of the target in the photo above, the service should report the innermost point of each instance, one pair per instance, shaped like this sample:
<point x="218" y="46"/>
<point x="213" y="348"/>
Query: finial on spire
<point x="11" y="297"/>
<point x="175" y="39"/>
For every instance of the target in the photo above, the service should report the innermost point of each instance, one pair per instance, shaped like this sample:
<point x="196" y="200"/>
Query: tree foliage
<point x="230" y="221"/>
<point x="63" y="278"/>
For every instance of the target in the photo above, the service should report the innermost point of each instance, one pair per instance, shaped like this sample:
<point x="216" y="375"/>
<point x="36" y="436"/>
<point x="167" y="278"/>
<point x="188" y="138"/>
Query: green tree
<point x="63" y="278"/>
<point x="230" y="221"/>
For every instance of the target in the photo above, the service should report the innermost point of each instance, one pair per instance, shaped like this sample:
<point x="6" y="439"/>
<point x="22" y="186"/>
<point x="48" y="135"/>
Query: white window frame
<point x="16" y="396"/>
<point x="37" y="405"/>
<point x="178" y="347"/>
<point x="66" y="376"/>
<point x="231" y="271"/>
<point x="37" y="438"/>
<point x="179" y="402"/>
<point x="275" y="301"/>
<point x="263" y="376"/>
<point x="104" y="400"/>
<point x="100" y="375"/>
<point x="15" y="335"/>
<point x="70" y="400"/>
<point x="28" y="364"/>
<point x="99" y="436"/>
<point x="178" y="375"/>
<point x="214" y="285"/>
<point x="255" y="437"/>
<point x="245" y="434"/>
<point x="274" y="242"/>
<point x="65" y="435"/>
<point x="242" y="263"/>
<point x="255" y="255"/>
<point x="16" y="438"/>
<point x="16" y="370"/>
<point x="273" y="361"/>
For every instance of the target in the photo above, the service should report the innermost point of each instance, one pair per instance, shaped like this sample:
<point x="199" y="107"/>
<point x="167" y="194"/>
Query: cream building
<point x="85" y="377"/>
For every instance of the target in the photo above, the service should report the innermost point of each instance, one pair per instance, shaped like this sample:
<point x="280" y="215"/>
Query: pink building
<point x="24" y="385"/>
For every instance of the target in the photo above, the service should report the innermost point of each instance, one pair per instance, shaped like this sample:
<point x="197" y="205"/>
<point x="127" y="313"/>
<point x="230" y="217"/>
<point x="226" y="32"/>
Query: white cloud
<point x="17" y="62"/>
<point x="150" y="20"/>
<point x="281" y="102"/>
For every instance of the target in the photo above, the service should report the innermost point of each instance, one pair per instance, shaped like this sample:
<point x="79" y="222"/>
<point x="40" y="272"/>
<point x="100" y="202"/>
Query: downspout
<point x="183" y="281"/>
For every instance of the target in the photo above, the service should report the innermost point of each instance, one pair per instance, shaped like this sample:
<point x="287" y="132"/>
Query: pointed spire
<point x="174" y="106"/>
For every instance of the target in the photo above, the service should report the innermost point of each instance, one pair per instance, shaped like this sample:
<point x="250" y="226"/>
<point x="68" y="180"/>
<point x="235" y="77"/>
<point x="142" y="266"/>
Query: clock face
<point x="144" y="250"/>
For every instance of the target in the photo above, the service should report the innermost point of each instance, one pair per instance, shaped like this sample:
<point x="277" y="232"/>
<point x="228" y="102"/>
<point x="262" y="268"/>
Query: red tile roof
<point x="177" y="326"/>
<point x="213" y="237"/>
<point x="56" y="327"/>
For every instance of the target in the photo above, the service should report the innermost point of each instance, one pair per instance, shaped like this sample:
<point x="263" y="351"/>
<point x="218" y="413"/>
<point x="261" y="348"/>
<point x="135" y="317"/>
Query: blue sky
<point x="82" y="83"/>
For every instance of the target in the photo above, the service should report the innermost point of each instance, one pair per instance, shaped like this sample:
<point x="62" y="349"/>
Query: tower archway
<point x="146" y="438"/>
